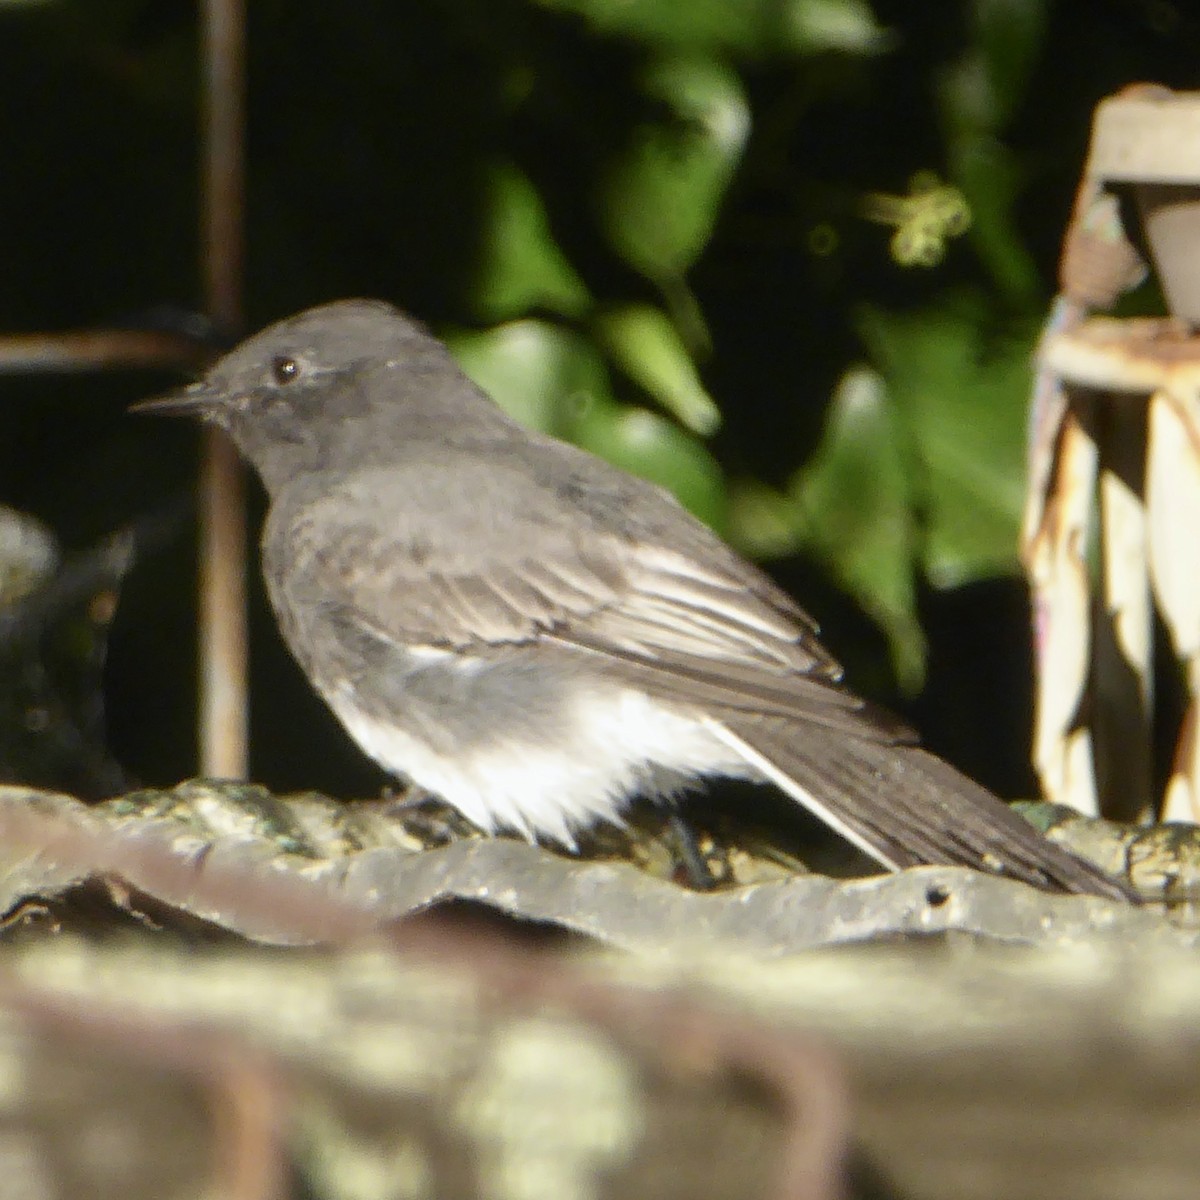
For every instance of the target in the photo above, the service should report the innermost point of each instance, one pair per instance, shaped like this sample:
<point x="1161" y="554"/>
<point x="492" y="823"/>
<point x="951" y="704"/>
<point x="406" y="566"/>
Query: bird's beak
<point x="195" y="400"/>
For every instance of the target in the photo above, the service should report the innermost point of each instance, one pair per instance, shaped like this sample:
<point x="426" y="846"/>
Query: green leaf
<point x="763" y="522"/>
<point x="540" y="374"/>
<point x="645" y="344"/>
<point x="978" y="97"/>
<point x="649" y="445"/>
<point x="660" y="200"/>
<point x="552" y="379"/>
<point x="522" y="267"/>
<point x="855" y="508"/>
<point x="845" y="25"/>
<point x="749" y="27"/>
<point x="961" y="398"/>
<point x="990" y="180"/>
<point x="985" y="87"/>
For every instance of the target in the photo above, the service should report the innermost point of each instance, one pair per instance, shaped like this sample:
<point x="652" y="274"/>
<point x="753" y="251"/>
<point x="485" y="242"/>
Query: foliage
<point x="785" y="257"/>
<point x="917" y="470"/>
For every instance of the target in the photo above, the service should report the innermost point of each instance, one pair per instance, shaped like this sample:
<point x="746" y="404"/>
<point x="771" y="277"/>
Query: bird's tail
<point x="905" y="807"/>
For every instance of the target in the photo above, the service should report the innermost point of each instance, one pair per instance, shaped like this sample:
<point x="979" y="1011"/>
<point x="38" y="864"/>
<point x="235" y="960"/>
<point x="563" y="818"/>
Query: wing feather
<point x="638" y="600"/>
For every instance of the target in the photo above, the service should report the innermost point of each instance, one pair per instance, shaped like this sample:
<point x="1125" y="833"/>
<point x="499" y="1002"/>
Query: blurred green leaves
<point x="554" y="379"/>
<point x="979" y="94"/>
<point x="540" y="373"/>
<point x="856" y="511"/>
<point x="662" y="195"/>
<point x="919" y="471"/>
<point x="649" y="445"/>
<point x="906" y="467"/>
<point x="747" y="27"/>
<point x="643" y="341"/>
<point x="962" y="396"/>
<point x="649" y="224"/>
<point x="521" y="267"/>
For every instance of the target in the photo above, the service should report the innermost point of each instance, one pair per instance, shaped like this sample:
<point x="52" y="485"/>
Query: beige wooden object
<point x="1115" y="424"/>
<point x="1148" y="373"/>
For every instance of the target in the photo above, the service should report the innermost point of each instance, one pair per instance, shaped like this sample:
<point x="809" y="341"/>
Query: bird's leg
<point x="427" y="815"/>
<point x="696" y="869"/>
<point x="412" y="797"/>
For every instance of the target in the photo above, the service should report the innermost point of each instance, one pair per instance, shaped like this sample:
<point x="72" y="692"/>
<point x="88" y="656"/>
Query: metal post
<point x="223" y="642"/>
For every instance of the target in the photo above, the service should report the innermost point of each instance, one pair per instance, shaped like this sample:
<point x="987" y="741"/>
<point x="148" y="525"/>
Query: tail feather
<point x="904" y="806"/>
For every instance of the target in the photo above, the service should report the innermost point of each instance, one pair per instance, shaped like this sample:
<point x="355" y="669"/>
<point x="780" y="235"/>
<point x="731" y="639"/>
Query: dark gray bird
<point x="536" y="636"/>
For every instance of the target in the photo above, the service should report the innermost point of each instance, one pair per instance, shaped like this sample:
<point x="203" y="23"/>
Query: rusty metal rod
<point x="97" y="349"/>
<point x="224" y="715"/>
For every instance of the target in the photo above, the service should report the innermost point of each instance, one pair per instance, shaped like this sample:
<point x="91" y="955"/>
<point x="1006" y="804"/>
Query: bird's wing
<point x="709" y="631"/>
<point x="719" y="635"/>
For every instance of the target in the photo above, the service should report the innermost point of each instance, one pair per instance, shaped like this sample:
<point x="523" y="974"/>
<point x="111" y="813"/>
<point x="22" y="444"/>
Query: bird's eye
<point x="284" y="369"/>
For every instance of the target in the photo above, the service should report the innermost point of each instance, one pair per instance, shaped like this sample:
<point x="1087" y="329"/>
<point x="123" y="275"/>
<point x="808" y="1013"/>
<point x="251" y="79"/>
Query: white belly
<point x="607" y="744"/>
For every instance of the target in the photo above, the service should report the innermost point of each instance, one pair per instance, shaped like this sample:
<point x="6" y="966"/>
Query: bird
<point x="538" y="637"/>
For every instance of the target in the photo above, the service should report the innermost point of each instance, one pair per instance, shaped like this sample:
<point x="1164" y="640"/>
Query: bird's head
<point x="289" y="394"/>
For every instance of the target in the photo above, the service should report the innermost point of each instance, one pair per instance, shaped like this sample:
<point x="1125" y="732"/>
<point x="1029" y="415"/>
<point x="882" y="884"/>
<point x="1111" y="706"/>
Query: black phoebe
<point x="536" y="636"/>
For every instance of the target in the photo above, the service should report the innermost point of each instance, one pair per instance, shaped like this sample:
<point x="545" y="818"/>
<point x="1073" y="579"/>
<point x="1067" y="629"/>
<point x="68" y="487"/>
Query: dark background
<point x="375" y="130"/>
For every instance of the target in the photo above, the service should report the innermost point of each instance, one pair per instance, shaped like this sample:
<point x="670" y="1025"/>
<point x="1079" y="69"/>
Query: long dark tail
<point x="905" y="807"/>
